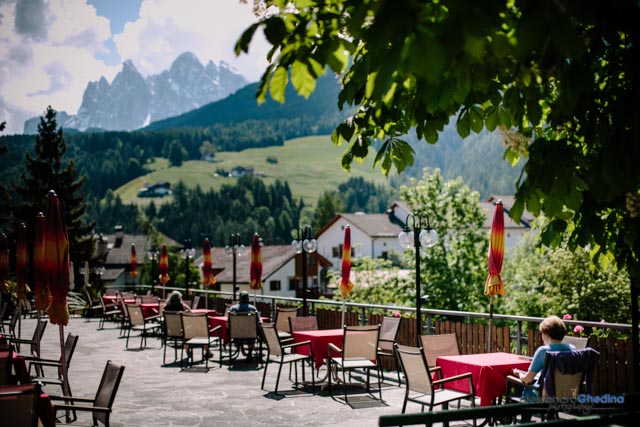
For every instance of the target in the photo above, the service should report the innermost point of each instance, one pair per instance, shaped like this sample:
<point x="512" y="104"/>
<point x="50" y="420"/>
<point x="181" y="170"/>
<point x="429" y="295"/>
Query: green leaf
<point x="275" y="30"/>
<point x="491" y="121"/>
<point x="534" y="112"/>
<point x="302" y="80"/>
<point x="278" y="84"/>
<point x="463" y="125"/>
<point x="477" y="118"/>
<point x="242" y="45"/>
<point x="430" y="132"/>
<point x="347" y="159"/>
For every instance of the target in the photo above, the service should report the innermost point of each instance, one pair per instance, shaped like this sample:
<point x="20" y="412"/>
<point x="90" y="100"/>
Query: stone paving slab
<point x="153" y="395"/>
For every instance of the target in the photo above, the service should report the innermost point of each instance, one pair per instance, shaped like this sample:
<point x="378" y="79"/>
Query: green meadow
<point x="311" y="165"/>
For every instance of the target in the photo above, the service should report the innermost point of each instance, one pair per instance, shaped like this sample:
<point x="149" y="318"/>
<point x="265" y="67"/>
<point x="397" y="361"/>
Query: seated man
<point x="244" y="306"/>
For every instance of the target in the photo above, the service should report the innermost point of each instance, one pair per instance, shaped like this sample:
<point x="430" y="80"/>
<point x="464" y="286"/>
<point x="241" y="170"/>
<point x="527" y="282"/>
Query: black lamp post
<point x="234" y="249"/>
<point x="153" y="255"/>
<point x="187" y="253"/>
<point x="304" y="244"/>
<point x="420" y="234"/>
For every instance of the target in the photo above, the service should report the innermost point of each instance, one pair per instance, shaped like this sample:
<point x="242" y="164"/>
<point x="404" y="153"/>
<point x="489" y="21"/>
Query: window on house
<point x="384" y="255"/>
<point x="336" y="251"/>
<point x="293" y="284"/>
<point x="274" y="285"/>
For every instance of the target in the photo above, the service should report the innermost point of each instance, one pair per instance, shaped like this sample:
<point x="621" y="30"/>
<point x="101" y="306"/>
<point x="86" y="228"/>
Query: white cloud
<point x="209" y="29"/>
<point x="49" y="58"/>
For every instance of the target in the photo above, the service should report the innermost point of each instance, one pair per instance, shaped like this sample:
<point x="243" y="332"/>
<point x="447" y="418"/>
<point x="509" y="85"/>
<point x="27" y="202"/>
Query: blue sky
<point x="51" y="49"/>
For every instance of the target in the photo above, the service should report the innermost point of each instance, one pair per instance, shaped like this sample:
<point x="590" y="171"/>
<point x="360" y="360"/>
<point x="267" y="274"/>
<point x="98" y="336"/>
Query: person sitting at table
<point x="552" y="329"/>
<point x="174" y="303"/>
<point x="244" y="306"/>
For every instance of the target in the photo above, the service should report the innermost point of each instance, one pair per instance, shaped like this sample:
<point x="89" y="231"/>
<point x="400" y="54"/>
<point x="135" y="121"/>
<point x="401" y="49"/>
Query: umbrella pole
<point x="490" y="324"/>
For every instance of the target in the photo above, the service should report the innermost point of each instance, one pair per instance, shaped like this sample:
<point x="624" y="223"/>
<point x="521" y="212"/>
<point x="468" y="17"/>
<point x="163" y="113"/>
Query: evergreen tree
<point x="5" y="209"/>
<point x="329" y="204"/>
<point x="46" y="171"/>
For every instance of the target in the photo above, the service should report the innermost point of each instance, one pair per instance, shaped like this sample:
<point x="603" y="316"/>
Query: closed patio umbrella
<point x="164" y="269"/>
<point x="134" y="264"/>
<point x="207" y="269"/>
<point x="346" y="286"/>
<point x="4" y="264"/>
<point x="494" y="285"/>
<point x="42" y="293"/>
<point x="56" y="265"/>
<point x="255" y="267"/>
<point x="22" y="262"/>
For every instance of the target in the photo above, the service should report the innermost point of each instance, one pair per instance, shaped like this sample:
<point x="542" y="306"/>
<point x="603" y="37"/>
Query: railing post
<point x="519" y="337"/>
<point x="429" y="318"/>
<point x="363" y="316"/>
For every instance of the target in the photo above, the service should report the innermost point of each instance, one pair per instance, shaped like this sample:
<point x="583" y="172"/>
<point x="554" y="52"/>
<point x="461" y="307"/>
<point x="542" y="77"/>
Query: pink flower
<point x="567" y="317"/>
<point x="397" y="314"/>
<point x="602" y="321"/>
<point x="578" y="330"/>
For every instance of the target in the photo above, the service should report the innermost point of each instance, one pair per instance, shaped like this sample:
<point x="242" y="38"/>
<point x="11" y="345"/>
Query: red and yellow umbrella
<point x="56" y="260"/>
<point x="22" y="261"/>
<point x="207" y="266"/>
<point x="345" y="283"/>
<point x="164" y="266"/>
<point x="255" y="269"/>
<point x="42" y="293"/>
<point x="494" y="285"/>
<point x="4" y="262"/>
<point x="134" y="262"/>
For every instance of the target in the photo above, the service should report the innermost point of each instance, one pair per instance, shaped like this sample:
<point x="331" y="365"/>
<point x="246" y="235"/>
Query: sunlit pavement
<point x="153" y="395"/>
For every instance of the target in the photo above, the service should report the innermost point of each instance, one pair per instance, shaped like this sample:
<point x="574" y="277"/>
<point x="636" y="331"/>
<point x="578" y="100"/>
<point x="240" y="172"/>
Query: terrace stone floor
<point x="154" y="395"/>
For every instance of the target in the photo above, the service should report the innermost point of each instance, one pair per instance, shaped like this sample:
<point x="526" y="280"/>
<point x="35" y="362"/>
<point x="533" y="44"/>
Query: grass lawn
<point x="311" y="165"/>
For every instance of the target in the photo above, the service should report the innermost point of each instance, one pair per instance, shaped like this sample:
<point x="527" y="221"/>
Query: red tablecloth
<point x="149" y="309"/>
<point x="45" y="408"/>
<point x="320" y="340"/>
<point x="489" y="371"/>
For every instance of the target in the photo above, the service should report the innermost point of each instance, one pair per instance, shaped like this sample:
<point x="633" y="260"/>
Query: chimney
<point x="119" y="235"/>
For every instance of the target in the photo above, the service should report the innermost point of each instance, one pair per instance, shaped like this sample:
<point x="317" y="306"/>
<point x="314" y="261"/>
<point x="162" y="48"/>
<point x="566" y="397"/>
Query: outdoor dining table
<point x="320" y="340"/>
<point x="489" y="372"/>
<point x="149" y="309"/>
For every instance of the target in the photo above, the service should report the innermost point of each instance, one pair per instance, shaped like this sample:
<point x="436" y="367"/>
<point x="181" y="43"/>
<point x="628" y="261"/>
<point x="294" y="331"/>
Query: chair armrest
<point x="333" y="348"/>
<point x="215" y="329"/>
<point x="45" y="362"/>
<point x="62" y="406"/>
<point x="153" y="317"/>
<point x="518" y="382"/>
<point x="437" y="369"/>
<point x="71" y="399"/>
<point x="297" y="344"/>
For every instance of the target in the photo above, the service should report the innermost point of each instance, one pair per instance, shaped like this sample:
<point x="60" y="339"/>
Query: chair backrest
<point x="439" y="345"/>
<point x="578" y="342"/>
<point x="38" y="333"/>
<point x="3" y="310"/>
<point x="13" y="322"/>
<point x="415" y="368"/>
<point x="136" y="317"/>
<point x="306" y="323"/>
<point x="389" y="329"/>
<point x="19" y="405"/>
<point x="243" y="325"/>
<point x="271" y="337"/>
<point x="361" y="342"/>
<point x="107" y="390"/>
<point x="195" y="302"/>
<point x="568" y="373"/>
<point x="228" y="306"/>
<point x="69" y="348"/>
<point x="282" y="318"/>
<point x="194" y="325"/>
<point x="173" y="324"/>
<point x="6" y="363"/>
